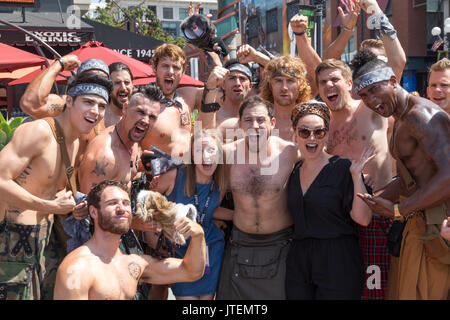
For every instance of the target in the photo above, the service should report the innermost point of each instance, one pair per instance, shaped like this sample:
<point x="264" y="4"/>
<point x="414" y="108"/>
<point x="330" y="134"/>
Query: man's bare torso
<point x="349" y="136"/>
<point x="43" y="177"/>
<point x="261" y="199"/>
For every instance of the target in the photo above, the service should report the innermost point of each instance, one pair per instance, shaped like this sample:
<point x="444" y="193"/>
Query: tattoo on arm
<point x="134" y="269"/>
<point x="56" y="107"/>
<point x="100" y="167"/>
<point x="22" y="179"/>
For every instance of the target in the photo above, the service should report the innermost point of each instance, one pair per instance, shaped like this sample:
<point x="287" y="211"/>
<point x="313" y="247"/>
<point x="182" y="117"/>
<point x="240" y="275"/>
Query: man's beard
<point x="108" y="225"/>
<point x="116" y="102"/>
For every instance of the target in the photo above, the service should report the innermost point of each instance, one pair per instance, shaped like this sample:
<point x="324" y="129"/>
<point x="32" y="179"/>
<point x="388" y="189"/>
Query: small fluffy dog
<point x="149" y="202"/>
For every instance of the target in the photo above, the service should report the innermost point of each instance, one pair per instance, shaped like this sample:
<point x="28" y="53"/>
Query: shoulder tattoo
<point x="134" y="269"/>
<point x="184" y="119"/>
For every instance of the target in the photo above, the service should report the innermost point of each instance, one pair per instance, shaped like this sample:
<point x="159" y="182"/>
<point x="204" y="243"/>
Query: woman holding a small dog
<point x="203" y="184"/>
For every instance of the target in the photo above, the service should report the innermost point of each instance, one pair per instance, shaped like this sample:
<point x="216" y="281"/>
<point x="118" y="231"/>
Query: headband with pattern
<point x="89" y="88"/>
<point x="317" y="108"/>
<point x="367" y="79"/>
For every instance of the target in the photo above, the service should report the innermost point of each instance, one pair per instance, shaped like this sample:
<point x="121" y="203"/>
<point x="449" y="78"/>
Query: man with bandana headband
<point x="33" y="181"/>
<point x="420" y="194"/>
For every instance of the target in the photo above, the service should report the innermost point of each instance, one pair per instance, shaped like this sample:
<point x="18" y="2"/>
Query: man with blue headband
<point x="34" y="184"/>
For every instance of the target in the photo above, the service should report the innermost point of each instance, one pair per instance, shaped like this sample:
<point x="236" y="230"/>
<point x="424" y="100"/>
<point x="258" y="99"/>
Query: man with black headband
<point x="420" y="143"/>
<point x="236" y="86"/>
<point x="33" y="184"/>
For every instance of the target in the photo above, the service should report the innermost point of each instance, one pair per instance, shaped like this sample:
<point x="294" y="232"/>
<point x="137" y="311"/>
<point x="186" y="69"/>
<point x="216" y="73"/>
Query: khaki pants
<point x="414" y="275"/>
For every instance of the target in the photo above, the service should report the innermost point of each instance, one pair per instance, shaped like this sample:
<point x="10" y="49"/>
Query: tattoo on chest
<point x="22" y="179"/>
<point x="184" y="119"/>
<point x="100" y="167"/>
<point x="344" y="135"/>
<point x="134" y="269"/>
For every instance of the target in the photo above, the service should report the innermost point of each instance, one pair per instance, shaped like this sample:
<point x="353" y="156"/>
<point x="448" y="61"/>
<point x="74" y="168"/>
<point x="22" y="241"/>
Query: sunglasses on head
<point x="305" y="133"/>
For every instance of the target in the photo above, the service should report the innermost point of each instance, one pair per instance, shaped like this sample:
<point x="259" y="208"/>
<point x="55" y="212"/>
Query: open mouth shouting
<point x="332" y="97"/>
<point x="311" y="147"/>
<point x="381" y="108"/>
<point x="138" y="132"/>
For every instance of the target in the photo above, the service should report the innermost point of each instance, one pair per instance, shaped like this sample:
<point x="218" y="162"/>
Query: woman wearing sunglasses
<point x="325" y="260"/>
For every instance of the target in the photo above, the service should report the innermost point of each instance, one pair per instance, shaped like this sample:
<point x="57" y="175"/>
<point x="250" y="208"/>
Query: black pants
<point x="325" y="269"/>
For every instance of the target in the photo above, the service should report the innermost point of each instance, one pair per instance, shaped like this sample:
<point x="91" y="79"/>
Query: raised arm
<point x="37" y="100"/>
<point x="188" y="269"/>
<point x="29" y="142"/>
<point x="306" y="52"/>
<point x="394" y="50"/>
<point x="247" y="53"/>
<point x="349" y="20"/>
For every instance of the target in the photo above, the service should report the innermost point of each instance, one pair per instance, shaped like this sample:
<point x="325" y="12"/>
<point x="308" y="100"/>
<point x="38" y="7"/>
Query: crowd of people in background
<point x="323" y="180"/>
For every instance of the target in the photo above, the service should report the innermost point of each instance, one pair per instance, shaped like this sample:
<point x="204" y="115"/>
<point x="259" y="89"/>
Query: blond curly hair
<point x="290" y="67"/>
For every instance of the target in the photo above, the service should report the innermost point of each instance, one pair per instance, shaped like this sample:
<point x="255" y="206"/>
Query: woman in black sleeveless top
<point x="325" y="260"/>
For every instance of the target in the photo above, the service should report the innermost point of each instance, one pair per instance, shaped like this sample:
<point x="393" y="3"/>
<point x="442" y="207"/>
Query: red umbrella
<point x="97" y="50"/>
<point x="143" y="73"/>
<point x="12" y="58"/>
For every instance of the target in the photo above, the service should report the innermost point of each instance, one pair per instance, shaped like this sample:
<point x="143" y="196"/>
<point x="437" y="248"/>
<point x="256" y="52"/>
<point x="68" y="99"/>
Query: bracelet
<point x="61" y="63"/>
<point x="348" y="29"/>
<point x="299" y="34"/>
<point x="397" y="215"/>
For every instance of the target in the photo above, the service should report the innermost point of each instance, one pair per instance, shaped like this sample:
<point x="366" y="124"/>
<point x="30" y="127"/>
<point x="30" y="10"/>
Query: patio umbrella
<point x="96" y="50"/>
<point x="142" y="72"/>
<point x="12" y="58"/>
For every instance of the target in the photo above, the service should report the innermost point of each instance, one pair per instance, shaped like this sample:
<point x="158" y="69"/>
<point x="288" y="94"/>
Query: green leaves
<point x="7" y="128"/>
<point x="142" y="17"/>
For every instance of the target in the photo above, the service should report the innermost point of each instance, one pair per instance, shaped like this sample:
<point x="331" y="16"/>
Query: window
<point x="182" y="13"/>
<point x="171" y="28"/>
<point x="200" y="11"/>
<point x="271" y="20"/>
<point x="168" y="13"/>
<point x="214" y="14"/>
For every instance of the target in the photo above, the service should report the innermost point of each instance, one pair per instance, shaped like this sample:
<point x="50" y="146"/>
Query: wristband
<point x="61" y="63"/>
<point x="299" y="34"/>
<point x="348" y="29"/>
<point x="397" y="215"/>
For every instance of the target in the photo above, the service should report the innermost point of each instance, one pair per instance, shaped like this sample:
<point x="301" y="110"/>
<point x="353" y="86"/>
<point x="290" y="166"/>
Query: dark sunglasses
<point x="306" y="133"/>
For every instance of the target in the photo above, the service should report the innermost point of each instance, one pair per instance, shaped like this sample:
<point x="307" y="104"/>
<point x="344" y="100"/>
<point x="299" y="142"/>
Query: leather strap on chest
<point x="403" y="171"/>
<point x="59" y="137"/>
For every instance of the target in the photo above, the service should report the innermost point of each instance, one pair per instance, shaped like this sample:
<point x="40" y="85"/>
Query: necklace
<point x="123" y="144"/>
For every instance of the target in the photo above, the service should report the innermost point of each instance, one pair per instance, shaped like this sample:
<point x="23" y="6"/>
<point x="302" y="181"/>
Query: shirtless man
<point x="285" y="85"/>
<point x="32" y="183"/>
<point x="438" y="89"/>
<point x="260" y="165"/>
<point x="114" y="154"/>
<point x="354" y="128"/>
<point x="39" y="102"/>
<point x="171" y="132"/>
<point x="420" y="143"/>
<point x="122" y="79"/>
<point x="236" y="87"/>
<point x="99" y="270"/>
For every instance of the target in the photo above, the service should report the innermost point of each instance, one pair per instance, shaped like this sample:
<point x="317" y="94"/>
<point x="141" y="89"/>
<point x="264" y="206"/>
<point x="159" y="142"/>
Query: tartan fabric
<point x="373" y="243"/>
